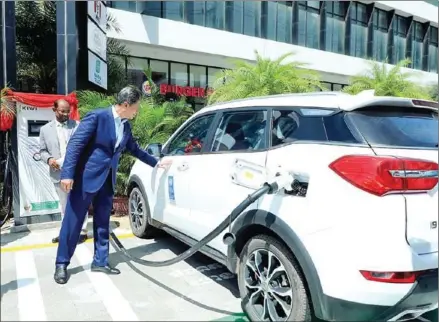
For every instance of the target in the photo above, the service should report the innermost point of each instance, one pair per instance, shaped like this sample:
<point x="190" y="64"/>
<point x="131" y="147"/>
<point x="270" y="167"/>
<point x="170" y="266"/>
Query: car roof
<point x="329" y="100"/>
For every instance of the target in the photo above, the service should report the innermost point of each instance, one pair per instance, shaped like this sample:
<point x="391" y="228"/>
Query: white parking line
<point x="30" y="299"/>
<point x="117" y="306"/>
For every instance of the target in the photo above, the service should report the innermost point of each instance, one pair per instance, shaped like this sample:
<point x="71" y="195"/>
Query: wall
<point x="165" y="39"/>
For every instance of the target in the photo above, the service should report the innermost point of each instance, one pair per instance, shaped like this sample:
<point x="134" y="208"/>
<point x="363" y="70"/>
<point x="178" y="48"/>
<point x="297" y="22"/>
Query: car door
<point x="239" y="135"/>
<point x="172" y="197"/>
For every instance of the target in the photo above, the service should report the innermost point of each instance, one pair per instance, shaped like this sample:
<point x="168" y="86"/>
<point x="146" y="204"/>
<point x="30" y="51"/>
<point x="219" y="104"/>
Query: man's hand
<point x="67" y="184"/>
<point x="164" y="164"/>
<point x="53" y="164"/>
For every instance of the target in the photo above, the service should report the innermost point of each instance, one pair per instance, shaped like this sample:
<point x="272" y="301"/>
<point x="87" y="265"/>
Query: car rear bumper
<point x="422" y="298"/>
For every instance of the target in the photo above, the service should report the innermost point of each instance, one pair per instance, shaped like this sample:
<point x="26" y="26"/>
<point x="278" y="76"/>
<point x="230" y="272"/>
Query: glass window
<point x="400" y="34"/>
<point x="195" y="12"/>
<point x="417" y="40"/>
<point x="179" y="74"/>
<point x="212" y="74"/>
<point x="159" y="71"/>
<point x="289" y="126"/>
<point x="124" y="5"/>
<point x="380" y="33"/>
<point x="335" y="26"/>
<point x="135" y="72"/>
<point x="337" y="129"/>
<point x="284" y="21"/>
<point x="398" y="127"/>
<point x="150" y="8"/>
<point x="269" y="16"/>
<point x="309" y="24"/>
<point x="234" y="16"/>
<point x="215" y="14"/>
<point x="197" y="76"/>
<point x="252" y="18"/>
<point x="241" y="131"/>
<point x="432" y="50"/>
<point x="359" y="30"/>
<point x="173" y="10"/>
<point x="191" y="139"/>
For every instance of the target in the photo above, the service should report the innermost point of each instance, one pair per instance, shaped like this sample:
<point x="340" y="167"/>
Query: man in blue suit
<point x="89" y="176"/>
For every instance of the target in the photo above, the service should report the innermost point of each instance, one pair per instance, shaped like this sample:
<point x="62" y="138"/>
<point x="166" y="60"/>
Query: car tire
<point x="139" y="214"/>
<point x="288" y="279"/>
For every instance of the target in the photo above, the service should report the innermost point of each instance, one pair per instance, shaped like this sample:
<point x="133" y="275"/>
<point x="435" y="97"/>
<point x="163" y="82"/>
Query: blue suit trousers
<point x="77" y="206"/>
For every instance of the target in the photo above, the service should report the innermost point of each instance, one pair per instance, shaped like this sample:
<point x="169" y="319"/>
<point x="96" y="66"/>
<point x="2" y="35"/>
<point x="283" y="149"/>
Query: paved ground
<point x="198" y="289"/>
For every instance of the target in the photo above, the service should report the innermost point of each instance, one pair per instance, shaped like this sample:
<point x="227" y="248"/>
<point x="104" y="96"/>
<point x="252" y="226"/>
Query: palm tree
<point x="264" y="77"/>
<point x="387" y="81"/>
<point x="36" y="47"/>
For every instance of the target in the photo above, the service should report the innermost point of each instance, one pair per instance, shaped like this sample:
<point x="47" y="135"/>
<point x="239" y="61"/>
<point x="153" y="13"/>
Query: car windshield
<point x="402" y="127"/>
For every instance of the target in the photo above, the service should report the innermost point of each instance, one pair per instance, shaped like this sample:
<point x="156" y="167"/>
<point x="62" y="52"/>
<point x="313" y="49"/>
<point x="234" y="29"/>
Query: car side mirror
<point x="154" y="149"/>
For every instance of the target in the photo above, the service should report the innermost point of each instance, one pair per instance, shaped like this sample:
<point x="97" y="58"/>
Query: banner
<point x="37" y="192"/>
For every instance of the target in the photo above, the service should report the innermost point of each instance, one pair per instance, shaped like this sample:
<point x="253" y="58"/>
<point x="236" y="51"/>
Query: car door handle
<point x="182" y="167"/>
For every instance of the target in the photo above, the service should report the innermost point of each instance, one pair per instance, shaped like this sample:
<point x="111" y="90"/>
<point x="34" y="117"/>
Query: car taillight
<point x="391" y="277"/>
<point x="380" y="175"/>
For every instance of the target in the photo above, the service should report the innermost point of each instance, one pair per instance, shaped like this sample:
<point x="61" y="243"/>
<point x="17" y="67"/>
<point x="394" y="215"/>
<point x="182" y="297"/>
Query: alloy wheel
<point x="136" y="209"/>
<point x="269" y="289"/>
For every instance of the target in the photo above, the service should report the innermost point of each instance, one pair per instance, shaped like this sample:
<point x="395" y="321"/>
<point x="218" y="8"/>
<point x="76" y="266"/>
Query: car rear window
<point x="397" y="127"/>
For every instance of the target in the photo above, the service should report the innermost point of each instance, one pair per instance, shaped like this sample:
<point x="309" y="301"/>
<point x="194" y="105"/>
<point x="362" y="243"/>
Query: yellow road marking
<point x="48" y="245"/>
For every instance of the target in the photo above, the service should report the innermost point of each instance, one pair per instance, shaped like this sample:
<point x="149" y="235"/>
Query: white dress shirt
<point x="63" y="136"/>
<point x="119" y="124"/>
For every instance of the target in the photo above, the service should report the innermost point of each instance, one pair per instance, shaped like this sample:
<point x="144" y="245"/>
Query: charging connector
<point x="282" y="180"/>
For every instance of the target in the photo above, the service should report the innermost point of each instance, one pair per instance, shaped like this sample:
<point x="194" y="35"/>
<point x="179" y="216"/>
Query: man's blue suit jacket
<point x="90" y="154"/>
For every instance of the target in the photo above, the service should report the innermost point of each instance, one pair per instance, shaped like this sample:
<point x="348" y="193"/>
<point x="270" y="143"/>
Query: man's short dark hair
<point x="129" y="94"/>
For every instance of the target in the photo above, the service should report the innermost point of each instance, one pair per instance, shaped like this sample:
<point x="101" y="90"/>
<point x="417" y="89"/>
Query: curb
<point x="47" y="225"/>
<point x="34" y="227"/>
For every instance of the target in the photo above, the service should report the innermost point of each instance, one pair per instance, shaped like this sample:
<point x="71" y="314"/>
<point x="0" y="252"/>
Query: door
<point x="240" y="135"/>
<point x="173" y="200"/>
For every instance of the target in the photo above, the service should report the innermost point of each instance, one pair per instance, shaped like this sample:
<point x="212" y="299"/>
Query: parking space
<point x="197" y="289"/>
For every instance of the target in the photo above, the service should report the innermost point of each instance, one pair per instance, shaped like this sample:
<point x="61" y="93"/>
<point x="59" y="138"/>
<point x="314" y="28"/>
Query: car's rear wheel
<point x="139" y="214"/>
<point x="270" y="283"/>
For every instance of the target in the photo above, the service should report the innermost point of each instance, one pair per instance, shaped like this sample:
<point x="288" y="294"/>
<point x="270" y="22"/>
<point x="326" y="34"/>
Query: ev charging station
<point x="35" y="195"/>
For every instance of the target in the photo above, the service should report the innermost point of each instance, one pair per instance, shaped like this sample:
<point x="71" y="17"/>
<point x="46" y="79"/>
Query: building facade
<point x="187" y="42"/>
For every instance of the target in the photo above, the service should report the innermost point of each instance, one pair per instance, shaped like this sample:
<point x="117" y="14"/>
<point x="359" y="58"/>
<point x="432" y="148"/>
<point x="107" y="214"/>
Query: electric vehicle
<point x="354" y="239"/>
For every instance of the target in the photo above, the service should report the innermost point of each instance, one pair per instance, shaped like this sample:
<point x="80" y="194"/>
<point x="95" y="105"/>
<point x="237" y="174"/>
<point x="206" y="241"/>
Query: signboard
<point x="96" y="40"/>
<point x="97" y="11"/>
<point x="97" y="43"/>
<point x="97" y="70"/>
<point x="187" y="91"/>
<point x="37" y="193"/>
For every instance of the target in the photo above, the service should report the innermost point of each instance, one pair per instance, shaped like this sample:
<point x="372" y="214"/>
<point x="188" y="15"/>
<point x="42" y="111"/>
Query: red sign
<point x="187" y="91"/>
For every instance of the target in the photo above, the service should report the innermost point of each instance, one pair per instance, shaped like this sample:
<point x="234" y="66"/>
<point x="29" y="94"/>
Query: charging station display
<point x="37" y="193"/>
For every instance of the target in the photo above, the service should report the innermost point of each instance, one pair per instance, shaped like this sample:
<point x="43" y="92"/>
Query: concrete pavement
<point x="198" y="289"/>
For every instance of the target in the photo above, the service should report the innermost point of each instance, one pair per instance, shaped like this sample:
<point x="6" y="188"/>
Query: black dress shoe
<point x="105" y="269"/>
<point x="55" y="240"/>
<point x="82" y="238"/>
<point x="60" y="275"/>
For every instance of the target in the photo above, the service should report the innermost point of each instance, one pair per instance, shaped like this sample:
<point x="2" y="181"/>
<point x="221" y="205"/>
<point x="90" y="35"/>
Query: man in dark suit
<point x="89" y="175"/>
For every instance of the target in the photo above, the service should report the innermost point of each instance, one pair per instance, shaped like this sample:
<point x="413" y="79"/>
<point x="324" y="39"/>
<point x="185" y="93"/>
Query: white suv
<point x="355" y="240"/>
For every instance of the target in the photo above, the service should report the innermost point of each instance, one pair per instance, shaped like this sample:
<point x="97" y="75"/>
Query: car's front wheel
<point x="139" y="214"/>
<point x="270" y="283"/>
